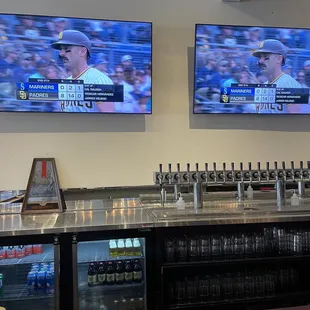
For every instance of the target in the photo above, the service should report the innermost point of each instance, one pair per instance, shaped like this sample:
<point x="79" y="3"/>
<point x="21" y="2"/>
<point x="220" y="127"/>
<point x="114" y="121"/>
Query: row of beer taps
<point x="197" y="177"/>
<point x="232" y="175"/>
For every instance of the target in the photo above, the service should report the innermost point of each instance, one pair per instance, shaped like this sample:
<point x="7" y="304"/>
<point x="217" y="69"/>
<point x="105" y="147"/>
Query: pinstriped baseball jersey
<point x="89" y="76"/>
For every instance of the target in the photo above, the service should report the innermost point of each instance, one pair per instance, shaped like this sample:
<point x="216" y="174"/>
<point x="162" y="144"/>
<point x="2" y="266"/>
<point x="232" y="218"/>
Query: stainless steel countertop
<point x="98" y="215"/>
<point x="80" y="216"/>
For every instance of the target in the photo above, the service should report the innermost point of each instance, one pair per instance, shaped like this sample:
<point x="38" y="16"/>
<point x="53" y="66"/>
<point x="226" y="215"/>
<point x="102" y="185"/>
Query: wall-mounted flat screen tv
<point x="76" y="65"/>
<point x="251" y="70"/>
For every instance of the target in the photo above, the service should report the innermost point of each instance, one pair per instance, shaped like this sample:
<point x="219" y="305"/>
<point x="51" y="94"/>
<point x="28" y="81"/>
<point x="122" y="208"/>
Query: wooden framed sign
<point x="43" y="194"/>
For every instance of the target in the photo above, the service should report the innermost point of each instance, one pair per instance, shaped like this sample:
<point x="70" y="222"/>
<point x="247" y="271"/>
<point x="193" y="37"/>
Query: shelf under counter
<point x="97" y="251"/>
<point x="19" y="292"/>
<point x="262" y="259"/>
<point x="110" y="289"/>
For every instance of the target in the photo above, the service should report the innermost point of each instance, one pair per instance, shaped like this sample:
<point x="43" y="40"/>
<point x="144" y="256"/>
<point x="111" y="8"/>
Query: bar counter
<point x="132" y="213"/>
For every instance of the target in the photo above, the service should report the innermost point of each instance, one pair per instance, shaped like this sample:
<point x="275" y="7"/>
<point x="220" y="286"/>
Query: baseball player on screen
<point x="74" y="51"/>
<point x="272" y="56"/>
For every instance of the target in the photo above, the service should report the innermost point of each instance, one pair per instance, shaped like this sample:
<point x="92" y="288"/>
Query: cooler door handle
<point x="57" y="272"/>
<point x="75" y="274"/>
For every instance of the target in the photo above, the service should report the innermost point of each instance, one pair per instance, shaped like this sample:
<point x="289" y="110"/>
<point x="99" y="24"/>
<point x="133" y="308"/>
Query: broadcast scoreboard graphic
<point x="68" y="90"/>
<point x="263" y="93"/>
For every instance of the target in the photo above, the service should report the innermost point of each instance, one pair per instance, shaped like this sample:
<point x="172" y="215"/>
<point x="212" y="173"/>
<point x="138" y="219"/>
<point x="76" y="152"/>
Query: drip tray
<point x="233" y="211"/>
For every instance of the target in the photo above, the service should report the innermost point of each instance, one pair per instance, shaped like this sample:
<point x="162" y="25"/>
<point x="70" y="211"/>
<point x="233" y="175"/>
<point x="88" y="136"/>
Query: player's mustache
<point x="261" y="65"/>
<point x="62" y="58"/>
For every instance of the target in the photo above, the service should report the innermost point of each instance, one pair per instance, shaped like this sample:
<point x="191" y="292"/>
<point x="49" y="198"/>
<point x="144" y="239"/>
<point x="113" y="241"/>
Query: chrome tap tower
<point x="279" y="176"/>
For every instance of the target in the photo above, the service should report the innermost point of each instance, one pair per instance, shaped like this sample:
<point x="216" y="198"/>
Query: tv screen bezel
<point x="96" y="19"/>
<point x="237" y="25"/>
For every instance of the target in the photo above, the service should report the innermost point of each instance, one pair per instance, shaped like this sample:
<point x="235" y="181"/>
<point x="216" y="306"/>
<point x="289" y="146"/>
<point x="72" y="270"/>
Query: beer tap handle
<point x="301" y="169"/>
<point x="160" y="176"/>
<point x="169" y="168"/>
<point x="169" y="173"/>
<point x="241" y="171"/>
<point x="268" y="169"/>
<point x="224" y="172"/>
<point x="276" y="170"/>
<point x="197" y="172"/>
<point x="206" y="171"/>
<point x="233" y="171"/>
<point x="293" y="170"/>
<point x="188" y="169"/>
<point x="178" y="172"/>
<point x="292" y="165"/>
<point x="214" y="170"/>
<point x="308" y="167"/>
<point x="250" y="171"/>
<point x="283" y="168"/>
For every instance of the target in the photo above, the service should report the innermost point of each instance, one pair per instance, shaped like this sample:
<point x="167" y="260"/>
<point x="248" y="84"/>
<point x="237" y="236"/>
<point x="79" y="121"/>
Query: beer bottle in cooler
<point x="128" y="272"/>
<point x="110" y="273"/>
<point x="92" y="274"/>
<point x="11" y="252"/>
<point x="102" y="273"/>
<point x="119" y="273"/>
<point x="137" y="271"/>
<point x="128" y="247"/>
<point x="3" y="252"/>
<point x="20" y="251"/>
<point x="28" y="250"/>
<point x="37" y="249"/>
<point x="113" y="251"/>
<point x="136" y="247"/>
<point x="121" y="247"/>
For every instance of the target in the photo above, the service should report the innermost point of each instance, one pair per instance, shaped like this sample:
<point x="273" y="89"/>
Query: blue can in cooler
<point x="32" y="283"/>
<point x="35" y="268"/>
<point x="41" y="282"/>
<point x="50" y="283"/>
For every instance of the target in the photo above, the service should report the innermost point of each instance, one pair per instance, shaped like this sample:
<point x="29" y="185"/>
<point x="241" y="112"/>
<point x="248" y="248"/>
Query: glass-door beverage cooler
<point x="110" y="274"/>
<point x="29" y="276"/>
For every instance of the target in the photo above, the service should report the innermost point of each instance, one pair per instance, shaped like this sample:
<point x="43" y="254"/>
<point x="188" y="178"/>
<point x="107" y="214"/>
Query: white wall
<point x="124" y="150"/>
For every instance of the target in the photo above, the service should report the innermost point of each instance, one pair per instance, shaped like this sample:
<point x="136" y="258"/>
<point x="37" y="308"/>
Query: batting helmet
<point x="273" y="47"/>
<point x="73" y="37"/>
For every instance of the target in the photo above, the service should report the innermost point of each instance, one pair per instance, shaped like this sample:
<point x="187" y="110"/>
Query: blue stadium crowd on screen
<point x="122" y="50"/>
<point x="224" y="56"/>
